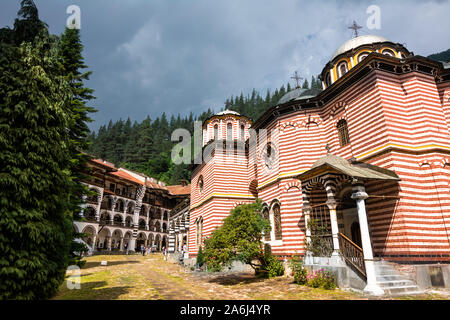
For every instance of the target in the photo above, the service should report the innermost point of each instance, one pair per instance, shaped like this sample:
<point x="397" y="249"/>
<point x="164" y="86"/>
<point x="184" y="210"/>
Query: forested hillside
<point x="441" y="56"/>
<point x="146" y="146"/>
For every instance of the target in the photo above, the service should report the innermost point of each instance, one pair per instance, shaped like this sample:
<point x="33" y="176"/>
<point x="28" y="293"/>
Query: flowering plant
<point x="321" y="279"/>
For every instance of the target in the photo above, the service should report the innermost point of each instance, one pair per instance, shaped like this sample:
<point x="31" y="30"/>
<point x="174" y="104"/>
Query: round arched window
<point x="200" y="184"/>
<point x="388" y="52"/>
<point x="342" y="69"/>
<point x="229" y="131"/>
<point x="328" y="79"/>
<point x="216" y="132"/>
<point x="362" y="56"/>
<point x="269" y="156"/>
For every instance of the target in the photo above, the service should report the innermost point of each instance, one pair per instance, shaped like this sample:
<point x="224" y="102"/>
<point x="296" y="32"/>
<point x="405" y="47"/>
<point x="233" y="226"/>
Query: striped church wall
<point x="213" y="212"/>
<point x="397" y="122"/>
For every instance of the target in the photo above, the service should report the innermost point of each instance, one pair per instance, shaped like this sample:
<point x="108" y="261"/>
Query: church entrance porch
<point x="337" y="227"/>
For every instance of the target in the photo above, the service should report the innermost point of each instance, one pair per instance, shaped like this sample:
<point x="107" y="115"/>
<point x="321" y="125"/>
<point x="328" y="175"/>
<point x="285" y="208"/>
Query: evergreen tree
<point x="305" y="84"/>
<point x="35" y="224"/>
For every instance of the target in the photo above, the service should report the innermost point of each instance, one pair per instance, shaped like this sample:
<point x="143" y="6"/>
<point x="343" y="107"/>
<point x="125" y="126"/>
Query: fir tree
<point x="35" y="227"/>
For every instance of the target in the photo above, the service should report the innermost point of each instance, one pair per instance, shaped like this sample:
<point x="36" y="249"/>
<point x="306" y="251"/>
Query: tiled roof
<point x="126" y="176"/>
<point x="104" y="163"/>
<point x="179" y="189"/>
<point x="119" y="173"/>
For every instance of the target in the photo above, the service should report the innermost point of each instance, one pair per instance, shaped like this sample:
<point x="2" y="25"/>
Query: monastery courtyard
<point x="131" y="277"/>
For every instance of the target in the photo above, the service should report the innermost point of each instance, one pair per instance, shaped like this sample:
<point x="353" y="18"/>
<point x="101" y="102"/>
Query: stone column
<point x="307" y="214"/>
<point x="359" y="194"/>
<point x="94" y="247"/>
<point x="121" y="244"/>
<point x="331" y="203"/>
<point x="132" y="243"/>
<point x="108" y="243"/>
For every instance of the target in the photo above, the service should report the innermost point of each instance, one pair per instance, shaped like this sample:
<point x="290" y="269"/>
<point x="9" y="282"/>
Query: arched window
<point x="277" y="221"/>
<point x="242" y="132"/>
<point x="402" y="55"/>
<point x="328" y="79"/>
<point x="388" y="52"/>
<point x="216" y="132"/>
<point x="269" y="157"/>
<point x="229" y="131"/>
<point x="342" y="128"/>
<point x="362" y="56"/>
<point x="200" y="184"/>
<point x="265" y="215"/>
<point x="342" y="69"/>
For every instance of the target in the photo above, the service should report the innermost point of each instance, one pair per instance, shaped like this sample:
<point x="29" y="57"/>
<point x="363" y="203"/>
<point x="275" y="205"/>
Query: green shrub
<point x="299" y="272"/>
<point x="274" y="267"/>
<point x="200" y="257"/>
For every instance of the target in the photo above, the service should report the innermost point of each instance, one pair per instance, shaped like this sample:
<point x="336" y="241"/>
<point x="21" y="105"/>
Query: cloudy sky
<point x="181" y="56"/>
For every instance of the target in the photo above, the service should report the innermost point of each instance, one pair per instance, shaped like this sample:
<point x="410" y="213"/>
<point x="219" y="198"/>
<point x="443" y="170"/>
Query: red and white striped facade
<point x="397" y="111"/>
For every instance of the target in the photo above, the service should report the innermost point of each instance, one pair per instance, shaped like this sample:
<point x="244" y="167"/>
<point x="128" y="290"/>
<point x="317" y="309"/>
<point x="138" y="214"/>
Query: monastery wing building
<point x="367" y="158"/>
<point x="126" y="210"/>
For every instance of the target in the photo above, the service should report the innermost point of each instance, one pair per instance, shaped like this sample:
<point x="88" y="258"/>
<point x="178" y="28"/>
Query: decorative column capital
<point x="359" y="195"/>
<point x="306" y="209"/>
<point x="332" y="204"/>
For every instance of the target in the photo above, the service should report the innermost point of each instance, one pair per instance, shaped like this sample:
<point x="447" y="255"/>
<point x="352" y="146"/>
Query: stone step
<point x="389" y="277"/>
<point x="386" y="273"/>
<point x="402" y="290"/>
<point x="396" y="283"/>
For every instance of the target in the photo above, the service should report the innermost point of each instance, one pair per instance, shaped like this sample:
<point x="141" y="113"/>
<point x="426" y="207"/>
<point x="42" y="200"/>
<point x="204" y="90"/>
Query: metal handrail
<point x="352" y="254"/>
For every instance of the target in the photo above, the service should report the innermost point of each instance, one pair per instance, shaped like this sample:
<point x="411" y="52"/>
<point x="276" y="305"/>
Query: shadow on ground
<point x="94" y="291"/>
<point x="235" y="279"/>
<point x="93" y="264"/>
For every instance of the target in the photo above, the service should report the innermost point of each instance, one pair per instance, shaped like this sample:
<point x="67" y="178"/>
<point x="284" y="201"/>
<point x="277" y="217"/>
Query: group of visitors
<point x="149" y="249"/>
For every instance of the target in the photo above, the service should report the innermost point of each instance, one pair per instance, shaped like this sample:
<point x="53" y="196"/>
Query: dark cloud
<point x="176" y="56"/>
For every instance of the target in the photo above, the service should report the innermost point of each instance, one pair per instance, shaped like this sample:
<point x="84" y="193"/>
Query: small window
<point x="362" y="56"/>
<point x="229" y="131"/>
<point x="328" y="79"/>
<point x="388" y="52"/>
<point x="402" y="55"/>
<point x="344" y="138"/>
<point x="216" y="132"/>
<point x="200" y="184"/>
<point x="269" y="156"/>
<point x="342" y="69"/>
<point x="277" y="221"/>
<point x="242" y="132"/>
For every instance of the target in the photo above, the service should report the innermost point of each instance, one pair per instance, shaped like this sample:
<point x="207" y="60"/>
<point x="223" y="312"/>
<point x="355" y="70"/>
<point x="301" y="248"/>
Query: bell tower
<point x="226" y="125"/>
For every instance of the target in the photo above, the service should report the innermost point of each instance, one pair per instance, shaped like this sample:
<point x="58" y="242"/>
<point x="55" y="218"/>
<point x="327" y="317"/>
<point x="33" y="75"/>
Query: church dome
<point x="299" y="94"/>
<point x="356" y="42"/>
<point x="226" y="111"/>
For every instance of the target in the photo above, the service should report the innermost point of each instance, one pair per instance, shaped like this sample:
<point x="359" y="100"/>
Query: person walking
<point x="142" y="250"/>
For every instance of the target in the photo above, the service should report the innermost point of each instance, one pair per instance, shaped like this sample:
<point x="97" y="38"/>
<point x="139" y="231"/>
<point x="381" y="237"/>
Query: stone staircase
<point x="393" y="282"/>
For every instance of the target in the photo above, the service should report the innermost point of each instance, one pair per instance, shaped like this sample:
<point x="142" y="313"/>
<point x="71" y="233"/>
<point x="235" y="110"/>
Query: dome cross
<point x="355" y="28"/>
<point x="296" y="77"/>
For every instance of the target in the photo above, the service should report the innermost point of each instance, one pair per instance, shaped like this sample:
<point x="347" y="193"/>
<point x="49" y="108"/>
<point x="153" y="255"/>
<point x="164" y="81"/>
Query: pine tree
<point x="73" y="63"/>
<point x="305" y="84"/>
<point x="35" y="227"/>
